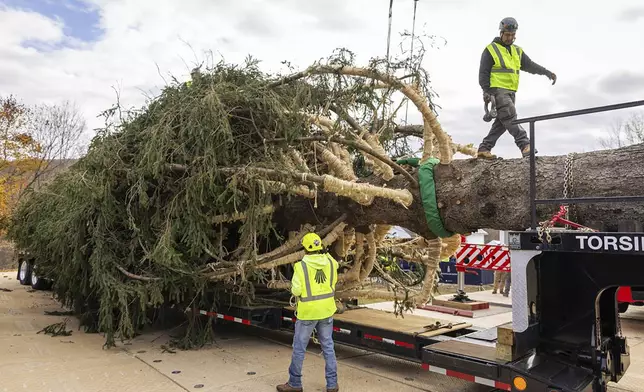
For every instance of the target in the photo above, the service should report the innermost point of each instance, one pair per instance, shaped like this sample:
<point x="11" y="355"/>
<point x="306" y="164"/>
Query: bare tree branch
<point x="58" y="130"/>
<point x="624" y="133"/>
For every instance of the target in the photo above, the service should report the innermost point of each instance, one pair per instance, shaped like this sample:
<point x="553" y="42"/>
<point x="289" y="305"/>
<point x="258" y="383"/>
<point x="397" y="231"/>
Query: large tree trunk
<point x="496" y="194"/>
<point x="476" y="193"/>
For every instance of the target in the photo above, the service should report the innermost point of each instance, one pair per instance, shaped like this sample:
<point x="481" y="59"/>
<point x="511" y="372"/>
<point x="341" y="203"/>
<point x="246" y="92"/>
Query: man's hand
<point x="552" y="76"/>
<point x="487" y="97"/>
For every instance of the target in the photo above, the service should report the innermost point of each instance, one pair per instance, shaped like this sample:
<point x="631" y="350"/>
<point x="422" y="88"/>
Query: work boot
<point x="493" y="291"/>
<point x="526" y="151"/>
<point x="336" y="389"/>
<point x="287" y="388"/>
<point x="485" y="155"/>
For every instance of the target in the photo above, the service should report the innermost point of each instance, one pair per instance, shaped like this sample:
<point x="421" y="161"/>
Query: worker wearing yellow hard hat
<point x="313" y="283"/>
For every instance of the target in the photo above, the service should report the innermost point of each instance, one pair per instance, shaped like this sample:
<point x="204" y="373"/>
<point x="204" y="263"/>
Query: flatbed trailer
<point x="565" y="319"/>
<point x="376" y="330"/>
<point x="382" y="332"/>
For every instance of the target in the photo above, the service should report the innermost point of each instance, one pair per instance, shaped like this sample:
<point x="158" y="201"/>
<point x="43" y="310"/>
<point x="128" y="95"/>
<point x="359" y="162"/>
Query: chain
<point x="544" y="227"/>
<point x="568" y="190"/>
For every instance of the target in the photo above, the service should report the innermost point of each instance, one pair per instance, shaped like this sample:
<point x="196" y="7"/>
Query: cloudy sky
<point x="82" y="49"/>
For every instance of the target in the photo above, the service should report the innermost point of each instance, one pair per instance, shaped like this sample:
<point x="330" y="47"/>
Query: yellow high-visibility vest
<point x="317" y="301"/>
<point x="506" y="68"/>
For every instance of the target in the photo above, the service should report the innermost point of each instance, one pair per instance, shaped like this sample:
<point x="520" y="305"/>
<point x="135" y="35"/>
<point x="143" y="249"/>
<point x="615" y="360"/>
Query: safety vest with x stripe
<point x="317" y="301"/>
<point x="507" y="64"/>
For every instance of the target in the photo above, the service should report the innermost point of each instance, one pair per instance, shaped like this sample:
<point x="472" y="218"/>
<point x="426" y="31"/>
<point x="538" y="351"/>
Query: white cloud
<point x="580" y="42"/>
<point x="14" y="30"/>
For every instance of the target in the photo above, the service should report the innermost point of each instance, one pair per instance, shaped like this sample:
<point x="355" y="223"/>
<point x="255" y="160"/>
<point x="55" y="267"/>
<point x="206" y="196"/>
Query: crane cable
<point x="411" y="54"/>
<point x="413" y="37"/>
<point x="391" y="8"/>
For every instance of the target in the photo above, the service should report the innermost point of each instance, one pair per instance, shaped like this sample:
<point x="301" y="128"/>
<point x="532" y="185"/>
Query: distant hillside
<point x="55" y="167"/>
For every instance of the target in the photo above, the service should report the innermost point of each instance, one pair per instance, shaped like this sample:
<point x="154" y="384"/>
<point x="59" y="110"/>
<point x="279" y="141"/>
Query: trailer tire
<point x="38" y="283"/>
<point x="20" y="260"/>
<point x="622" y="307"/>
<point x="24" y="272"/>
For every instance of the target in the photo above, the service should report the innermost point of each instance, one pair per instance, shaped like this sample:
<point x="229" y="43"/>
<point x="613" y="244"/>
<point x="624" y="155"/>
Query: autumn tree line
<point x="36" y="141"/>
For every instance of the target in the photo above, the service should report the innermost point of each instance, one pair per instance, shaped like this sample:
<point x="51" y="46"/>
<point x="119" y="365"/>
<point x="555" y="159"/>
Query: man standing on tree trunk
<point x="501" y="63"/>
<point x="318" y="273"/>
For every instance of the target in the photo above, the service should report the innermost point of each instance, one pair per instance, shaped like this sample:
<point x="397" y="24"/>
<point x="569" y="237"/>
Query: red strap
<point x="559" y="218"/>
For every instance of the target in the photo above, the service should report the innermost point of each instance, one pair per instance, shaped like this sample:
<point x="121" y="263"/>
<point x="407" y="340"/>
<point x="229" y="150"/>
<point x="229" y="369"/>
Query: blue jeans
<point x="303" y="331"/>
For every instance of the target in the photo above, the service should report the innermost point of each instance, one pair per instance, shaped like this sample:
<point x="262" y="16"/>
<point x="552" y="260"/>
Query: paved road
<point x="237" y="362"/>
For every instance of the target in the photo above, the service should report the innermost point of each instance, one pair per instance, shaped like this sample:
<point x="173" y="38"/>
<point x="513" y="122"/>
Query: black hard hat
<point x="509" y="24"/>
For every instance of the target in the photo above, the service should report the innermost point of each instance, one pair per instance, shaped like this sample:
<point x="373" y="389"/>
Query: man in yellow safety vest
<point x="501" y="63"/>
<point x="313" y="283"/>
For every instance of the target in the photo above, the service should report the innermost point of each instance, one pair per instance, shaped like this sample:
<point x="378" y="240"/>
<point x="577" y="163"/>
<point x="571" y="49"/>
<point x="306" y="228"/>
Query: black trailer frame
<point x="570" y="295"/>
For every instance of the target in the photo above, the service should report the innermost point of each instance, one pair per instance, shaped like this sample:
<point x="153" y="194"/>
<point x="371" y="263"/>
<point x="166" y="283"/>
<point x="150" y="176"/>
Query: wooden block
<point x="505" y="335"/>
<point x="444" y="309"/>
<point x="503" y="352"/>
<point x="474" y="305"/>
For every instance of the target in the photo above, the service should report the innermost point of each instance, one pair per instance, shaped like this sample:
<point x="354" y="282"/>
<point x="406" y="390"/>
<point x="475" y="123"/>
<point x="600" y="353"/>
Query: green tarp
<point x="428" y="194"/>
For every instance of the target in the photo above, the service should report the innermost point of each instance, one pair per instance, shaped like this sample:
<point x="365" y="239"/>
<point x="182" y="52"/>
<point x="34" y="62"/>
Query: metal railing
<point x="533" y="170"/>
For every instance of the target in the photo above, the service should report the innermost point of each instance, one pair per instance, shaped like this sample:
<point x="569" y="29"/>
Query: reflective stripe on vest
<point x="307" y="284"/>
<point x="506" y="68"/>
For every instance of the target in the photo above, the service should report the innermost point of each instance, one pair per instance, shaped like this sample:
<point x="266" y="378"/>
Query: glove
<point x="487" y="97"/>
<point x="552" y="77"/>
